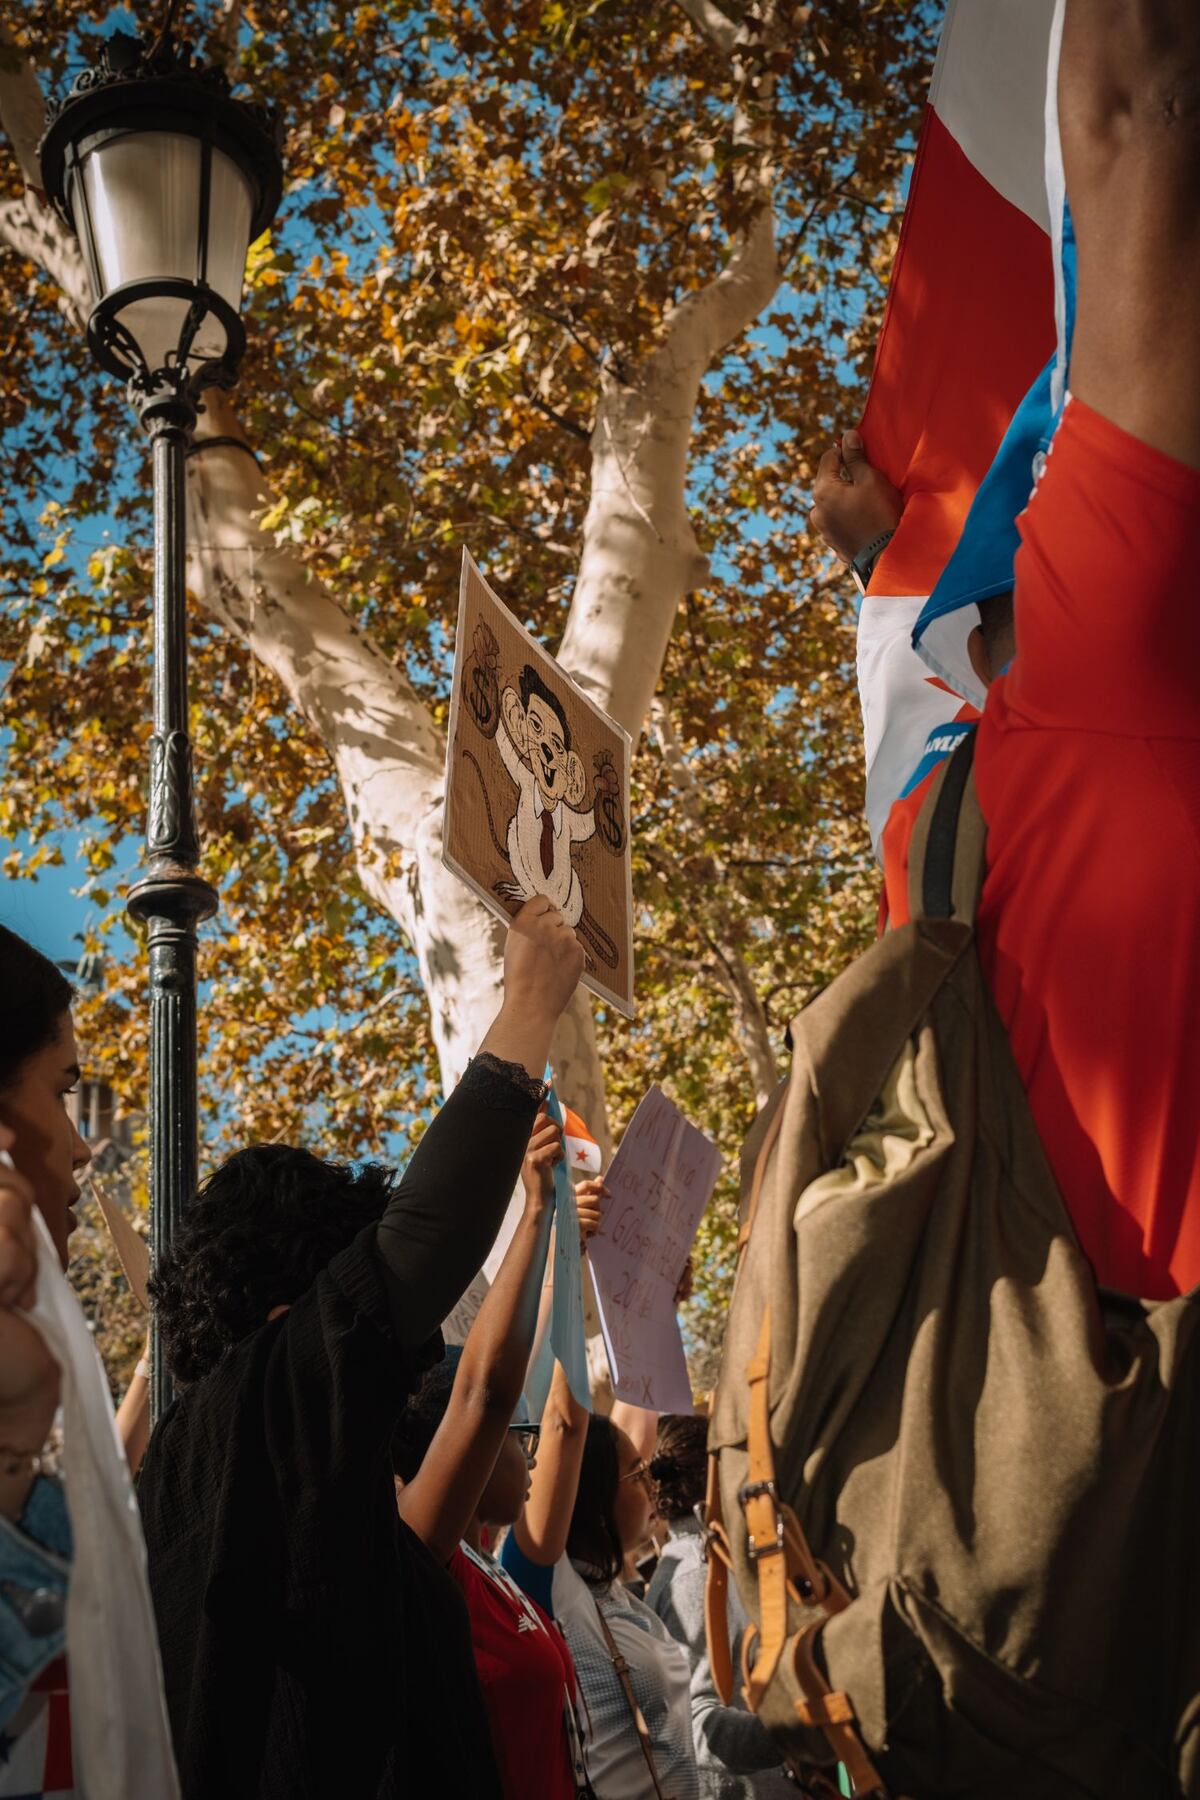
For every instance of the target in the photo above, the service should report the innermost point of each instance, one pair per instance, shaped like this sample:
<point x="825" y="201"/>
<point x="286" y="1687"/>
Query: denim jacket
<point x="35" y="1567"/>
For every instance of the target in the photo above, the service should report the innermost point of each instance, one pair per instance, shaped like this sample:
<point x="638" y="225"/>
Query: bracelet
<point x="143" y="1368"/>
<point x="862" y="566"/>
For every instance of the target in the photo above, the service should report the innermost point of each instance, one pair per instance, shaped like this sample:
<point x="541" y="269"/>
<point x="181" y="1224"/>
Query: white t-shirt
<point x="660" y="1678"/>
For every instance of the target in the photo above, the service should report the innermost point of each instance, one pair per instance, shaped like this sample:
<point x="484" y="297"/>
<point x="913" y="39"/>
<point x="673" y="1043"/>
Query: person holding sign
<point x="463" y="1452"/>
<point x="311" y="1643"/>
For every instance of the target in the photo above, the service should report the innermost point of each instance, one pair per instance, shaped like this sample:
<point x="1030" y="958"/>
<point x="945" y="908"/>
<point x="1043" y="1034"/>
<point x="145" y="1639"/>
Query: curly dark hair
<point x="417" y="1425"/>
<point x="593" y="1538"/>
<point x="680" y="1464"/>
<point x="257" y="1235"/>
<point x="34" y="995"/>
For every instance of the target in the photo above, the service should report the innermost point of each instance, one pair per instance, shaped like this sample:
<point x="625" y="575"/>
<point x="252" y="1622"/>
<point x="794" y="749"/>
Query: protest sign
<point x="659" y="1185"/>
<point x="537" y="789"/>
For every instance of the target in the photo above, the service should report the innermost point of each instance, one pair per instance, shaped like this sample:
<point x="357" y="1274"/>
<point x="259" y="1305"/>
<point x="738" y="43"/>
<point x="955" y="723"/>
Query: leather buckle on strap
<point x="707" y="1534"/>
<point x="756" y="1490"/>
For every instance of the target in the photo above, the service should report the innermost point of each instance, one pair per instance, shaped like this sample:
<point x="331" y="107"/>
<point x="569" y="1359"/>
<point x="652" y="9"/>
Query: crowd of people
<point x="373" y="1572"/>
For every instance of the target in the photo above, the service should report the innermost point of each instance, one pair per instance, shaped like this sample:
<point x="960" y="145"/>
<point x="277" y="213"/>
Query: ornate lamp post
<point x="166" y="180"/>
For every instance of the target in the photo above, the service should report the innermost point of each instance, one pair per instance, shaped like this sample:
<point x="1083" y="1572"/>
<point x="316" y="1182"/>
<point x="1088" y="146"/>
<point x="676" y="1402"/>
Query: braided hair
<point x="680" y="1464"/>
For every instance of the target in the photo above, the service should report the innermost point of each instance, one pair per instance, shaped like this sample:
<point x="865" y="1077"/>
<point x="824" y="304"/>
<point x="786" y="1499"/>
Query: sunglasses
<point x="639" y="1472"/>
<point x="527" y="1436"/>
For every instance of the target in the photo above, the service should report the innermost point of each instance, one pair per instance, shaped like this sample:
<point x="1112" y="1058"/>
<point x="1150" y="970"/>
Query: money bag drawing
<point x="556" y="808"/>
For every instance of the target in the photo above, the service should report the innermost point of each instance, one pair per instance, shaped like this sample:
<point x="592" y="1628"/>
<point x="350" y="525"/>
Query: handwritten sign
<point x="659" y="1184"/>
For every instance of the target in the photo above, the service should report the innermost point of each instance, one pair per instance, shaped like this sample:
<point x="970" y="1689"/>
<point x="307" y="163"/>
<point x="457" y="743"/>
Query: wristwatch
<point x="862" y="566"/>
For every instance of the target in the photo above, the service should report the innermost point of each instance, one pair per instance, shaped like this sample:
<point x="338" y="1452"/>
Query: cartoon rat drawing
<point x="535" y="746"/>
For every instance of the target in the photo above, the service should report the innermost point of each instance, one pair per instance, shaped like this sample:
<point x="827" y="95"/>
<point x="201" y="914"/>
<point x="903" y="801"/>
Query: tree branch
<point x="29" y="226"/>
<point x="31" y="229"/>
<point x="750" y="1019"/>
<point x="22" y="108"/>
<point x="576" y="430"/>
<point x="715" y="24"/>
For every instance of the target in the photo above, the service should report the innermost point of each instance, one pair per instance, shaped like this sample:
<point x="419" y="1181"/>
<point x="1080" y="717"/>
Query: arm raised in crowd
<point x="1129" y="115"/>
<point x="541" y="1531"/>
<point x="442" y="1497"/>
<point x="445" y="1214"/>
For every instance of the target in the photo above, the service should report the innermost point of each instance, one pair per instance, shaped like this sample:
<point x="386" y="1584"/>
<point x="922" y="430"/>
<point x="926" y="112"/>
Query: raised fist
<point x="543" y="960"/>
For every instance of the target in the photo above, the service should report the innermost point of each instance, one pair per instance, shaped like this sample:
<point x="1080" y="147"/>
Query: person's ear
<point x="515" y="722"/>
<point x="978" y="652"/>
<point x="576" y="780"/>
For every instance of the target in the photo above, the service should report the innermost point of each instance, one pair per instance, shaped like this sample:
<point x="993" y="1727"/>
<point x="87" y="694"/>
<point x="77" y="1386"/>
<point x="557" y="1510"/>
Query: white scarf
<point x="120" y="1737"/>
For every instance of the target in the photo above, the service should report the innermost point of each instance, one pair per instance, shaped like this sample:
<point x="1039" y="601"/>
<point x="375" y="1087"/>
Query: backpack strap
<point x="946" y="855"/>
<point x="718" y="1563"/>
<point x="786" y="1567"/>
<point x="639" y="1720"/>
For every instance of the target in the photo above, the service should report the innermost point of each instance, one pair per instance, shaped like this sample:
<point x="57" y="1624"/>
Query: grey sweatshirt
<point x="735" y="1753"/>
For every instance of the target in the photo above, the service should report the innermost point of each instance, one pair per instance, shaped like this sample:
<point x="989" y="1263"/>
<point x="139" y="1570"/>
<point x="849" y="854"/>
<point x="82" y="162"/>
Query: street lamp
<point x="166" y="180"/>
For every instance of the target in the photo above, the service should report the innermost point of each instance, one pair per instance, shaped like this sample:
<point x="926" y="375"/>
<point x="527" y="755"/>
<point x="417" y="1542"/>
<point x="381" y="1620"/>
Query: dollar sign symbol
<point x="612" y="828"/>
<point x="480" y="696"/>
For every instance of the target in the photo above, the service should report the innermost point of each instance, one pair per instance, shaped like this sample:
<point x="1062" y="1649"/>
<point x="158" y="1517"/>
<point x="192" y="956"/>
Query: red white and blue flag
<point x="969" y="325"/>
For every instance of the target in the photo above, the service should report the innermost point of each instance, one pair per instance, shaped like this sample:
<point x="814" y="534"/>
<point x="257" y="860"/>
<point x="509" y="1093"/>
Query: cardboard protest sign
<point x="659" y="1184"/>
<point x="537" y="789"/>
<point x="133" y="1252"/>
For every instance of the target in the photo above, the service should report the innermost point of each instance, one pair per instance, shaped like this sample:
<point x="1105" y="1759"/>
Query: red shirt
<point x="1088" y="773"/>
<point x="528" y="1680"/>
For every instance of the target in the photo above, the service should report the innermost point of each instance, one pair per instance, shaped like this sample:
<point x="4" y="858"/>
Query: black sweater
<point x="311" y="1646"/>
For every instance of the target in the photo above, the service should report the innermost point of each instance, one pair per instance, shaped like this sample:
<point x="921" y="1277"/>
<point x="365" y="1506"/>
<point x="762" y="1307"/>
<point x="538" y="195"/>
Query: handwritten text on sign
<point x="659" y="1185"/>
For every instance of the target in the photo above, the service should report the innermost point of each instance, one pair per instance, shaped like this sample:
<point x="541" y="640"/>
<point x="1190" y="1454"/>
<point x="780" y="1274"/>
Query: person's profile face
<point x="634" y="1509"/>
<point x="47" y="1149"/>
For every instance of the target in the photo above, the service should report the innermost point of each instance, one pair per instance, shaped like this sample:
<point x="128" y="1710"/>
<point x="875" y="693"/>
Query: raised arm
<point x="446" y="1212"/>
<point x="443" y="1496"/>
<point x="133" y="1414"/>
<point x="1129" y="116"/>
<point x="541" y="1531"/>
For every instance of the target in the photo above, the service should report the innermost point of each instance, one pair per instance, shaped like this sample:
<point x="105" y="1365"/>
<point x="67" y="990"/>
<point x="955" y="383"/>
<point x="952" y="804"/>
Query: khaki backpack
<point x="959" y="1488"/>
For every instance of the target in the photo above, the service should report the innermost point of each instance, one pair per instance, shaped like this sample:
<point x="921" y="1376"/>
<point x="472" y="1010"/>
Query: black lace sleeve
<point x="506" y="1084"/>
<point x="444" y="1216"/>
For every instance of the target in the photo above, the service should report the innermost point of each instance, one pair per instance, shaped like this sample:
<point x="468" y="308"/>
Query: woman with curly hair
<point x="311" y="1643"/>
<point x="736" y="1755"/>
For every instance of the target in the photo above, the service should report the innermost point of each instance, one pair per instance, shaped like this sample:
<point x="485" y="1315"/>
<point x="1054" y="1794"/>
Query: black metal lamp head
<point x="166" y="180"/>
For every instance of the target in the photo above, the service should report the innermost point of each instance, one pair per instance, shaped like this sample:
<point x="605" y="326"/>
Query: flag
<point x="970" y="316"/>
<point x="969" y="324"/>
<point x="582" y="1150"/>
